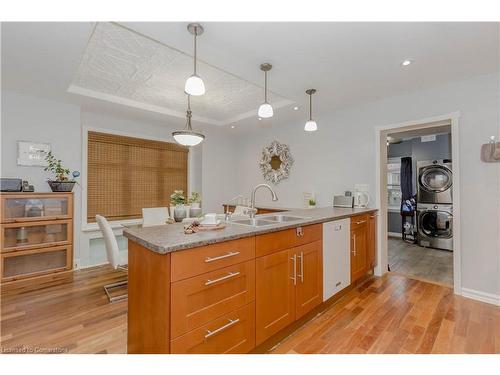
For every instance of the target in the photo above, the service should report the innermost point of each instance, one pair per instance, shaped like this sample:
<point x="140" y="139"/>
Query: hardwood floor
<point x="65" y="316"/>
<point x="424" y="263"/>
<point x="392" y="314"/>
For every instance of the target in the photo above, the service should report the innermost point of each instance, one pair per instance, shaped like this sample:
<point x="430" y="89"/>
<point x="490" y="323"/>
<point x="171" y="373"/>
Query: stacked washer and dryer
<point x="435" y="204"/>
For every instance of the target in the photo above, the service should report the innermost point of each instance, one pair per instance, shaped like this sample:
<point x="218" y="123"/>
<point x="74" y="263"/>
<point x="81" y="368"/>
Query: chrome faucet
<point x="252" y="211"/>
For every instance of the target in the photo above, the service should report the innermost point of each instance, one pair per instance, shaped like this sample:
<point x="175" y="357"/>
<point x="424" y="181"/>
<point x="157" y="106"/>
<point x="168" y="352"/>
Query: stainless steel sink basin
<point x="255" y="222"/>
<point x="262" y="221"/>
<point x="282" y="218"/>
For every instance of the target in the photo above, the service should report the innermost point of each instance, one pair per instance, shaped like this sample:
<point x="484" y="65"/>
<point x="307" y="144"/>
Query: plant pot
<point x="195" y="205"/>
<point x="179" y="213"/>
<point x="194" y="211"/>
<point x="61" y="186"/>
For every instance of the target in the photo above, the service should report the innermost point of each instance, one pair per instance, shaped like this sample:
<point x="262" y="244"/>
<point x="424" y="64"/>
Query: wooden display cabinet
<point x="36" y="233"/>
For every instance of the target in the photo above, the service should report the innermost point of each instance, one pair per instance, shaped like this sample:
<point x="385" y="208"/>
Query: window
<point x="394" y="184"/>
<point x="127" y="174"/>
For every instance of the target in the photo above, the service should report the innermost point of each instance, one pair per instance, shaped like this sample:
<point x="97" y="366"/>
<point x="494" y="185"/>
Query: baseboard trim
<point x="394" y="234"/>
<point x="491" y="298"/>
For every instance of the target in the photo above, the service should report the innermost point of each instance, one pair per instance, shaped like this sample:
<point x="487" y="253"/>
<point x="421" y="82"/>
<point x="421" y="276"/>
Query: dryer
<point x="435" y="225"/>
<point x="434" y="181"/>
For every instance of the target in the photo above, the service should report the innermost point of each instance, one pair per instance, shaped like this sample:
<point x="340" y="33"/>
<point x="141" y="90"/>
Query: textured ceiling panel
<point x="124" y="67"/>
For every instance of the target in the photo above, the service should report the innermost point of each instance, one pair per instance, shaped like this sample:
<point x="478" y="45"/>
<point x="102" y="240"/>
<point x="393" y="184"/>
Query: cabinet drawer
<point x="359" y="221"/>
<point x="203" y="259"/>
<point x="29" y="263"/>
<point x="233" y="333"/>
<point x="201" y="299"/>
<point x="307" y="234"/>
<point x="25" y="207"/>
<point x="272" y="242"/>
<point x="17" y="236"/>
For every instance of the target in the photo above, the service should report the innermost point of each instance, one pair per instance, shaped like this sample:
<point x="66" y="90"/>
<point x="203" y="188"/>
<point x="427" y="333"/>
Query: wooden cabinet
<point x="363" y="245"/>
<point x="233" y="333"/>
<point x="290" y="281"/>
<point x="201" y="299"/>
<point x="372" y="240"/>
<point x="309" y="292"/>
<point x="275" y="293"/>
<point x="36" y="233"/>
<point x="203" y="259"/>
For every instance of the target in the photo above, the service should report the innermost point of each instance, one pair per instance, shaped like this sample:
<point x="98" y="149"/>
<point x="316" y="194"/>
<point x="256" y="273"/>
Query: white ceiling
<point x="127" y="68"/>
<point x="348" y="63"/>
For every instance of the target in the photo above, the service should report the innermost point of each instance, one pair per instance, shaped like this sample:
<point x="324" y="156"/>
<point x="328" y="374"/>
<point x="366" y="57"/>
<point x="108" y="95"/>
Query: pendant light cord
<point x="310" y="106"/>
<point x="265" y="87"/>
<point x="188" y="115"/>
<point x="195" y="35"/>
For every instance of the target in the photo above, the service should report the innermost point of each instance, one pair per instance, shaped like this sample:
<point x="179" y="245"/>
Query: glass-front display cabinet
<point x="36" y="233"/>
<point x="22" y="207"/>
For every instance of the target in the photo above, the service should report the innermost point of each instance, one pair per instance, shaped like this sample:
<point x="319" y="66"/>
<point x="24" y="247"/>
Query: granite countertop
<point x="167" y="238"/>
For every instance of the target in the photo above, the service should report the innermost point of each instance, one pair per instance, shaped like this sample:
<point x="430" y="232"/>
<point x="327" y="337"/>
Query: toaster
<point x="343" y="201"/>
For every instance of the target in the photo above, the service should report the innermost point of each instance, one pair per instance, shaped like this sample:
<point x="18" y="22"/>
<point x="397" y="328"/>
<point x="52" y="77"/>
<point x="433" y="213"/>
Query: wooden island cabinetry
<point x="289" y="279"/>
<point x="234" y="296"/>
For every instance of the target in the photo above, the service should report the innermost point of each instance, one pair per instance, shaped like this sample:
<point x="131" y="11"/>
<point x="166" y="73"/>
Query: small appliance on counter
<point x="343" y="201"/>
<point x="361" y="196"/>
<point x="11" y="184"/>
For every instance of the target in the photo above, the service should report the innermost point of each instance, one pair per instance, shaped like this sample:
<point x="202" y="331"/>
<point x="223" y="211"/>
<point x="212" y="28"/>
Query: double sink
<point x="262" y="221"/>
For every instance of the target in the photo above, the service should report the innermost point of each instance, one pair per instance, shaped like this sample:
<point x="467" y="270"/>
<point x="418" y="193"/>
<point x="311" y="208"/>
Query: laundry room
<point x="420" y="204"/>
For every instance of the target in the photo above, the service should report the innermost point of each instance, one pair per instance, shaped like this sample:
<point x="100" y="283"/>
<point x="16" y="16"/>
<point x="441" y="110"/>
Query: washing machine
<point x="435" y="225"/>
<point x="434" y="181"/>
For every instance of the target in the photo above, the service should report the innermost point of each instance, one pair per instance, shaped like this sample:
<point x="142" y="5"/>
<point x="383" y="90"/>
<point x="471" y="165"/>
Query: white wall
<point x="342" y="153"/>
<point x="60" y="124"/>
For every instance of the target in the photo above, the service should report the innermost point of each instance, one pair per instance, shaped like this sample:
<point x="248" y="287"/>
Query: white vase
<point x="195" y="205"/>
<point x="179" y="213"/>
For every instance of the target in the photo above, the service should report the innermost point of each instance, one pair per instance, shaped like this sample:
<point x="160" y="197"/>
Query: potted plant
<point x="61" y="182"/>
<point x="177" y="199"/>
<point x="312" y="203"/>
<point x="195" y="201"/>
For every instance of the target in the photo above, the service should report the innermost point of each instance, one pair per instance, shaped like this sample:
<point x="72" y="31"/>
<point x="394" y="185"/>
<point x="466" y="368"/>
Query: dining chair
<point x="115" y="258"/>
<point x="154" y="216"/>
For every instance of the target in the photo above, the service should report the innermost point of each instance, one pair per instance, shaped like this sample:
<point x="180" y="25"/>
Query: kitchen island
<point x="231" y="290"/>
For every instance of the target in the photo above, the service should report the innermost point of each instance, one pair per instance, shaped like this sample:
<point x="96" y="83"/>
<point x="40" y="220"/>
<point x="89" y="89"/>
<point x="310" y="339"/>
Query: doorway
<point x="419" y="230"/>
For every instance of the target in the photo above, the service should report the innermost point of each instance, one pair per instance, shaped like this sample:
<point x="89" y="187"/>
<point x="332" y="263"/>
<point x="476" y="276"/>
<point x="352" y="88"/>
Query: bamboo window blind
<point x="127" y="174"/>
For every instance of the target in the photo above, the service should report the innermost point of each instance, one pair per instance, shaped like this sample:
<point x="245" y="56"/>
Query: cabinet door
<point x="358" y="252"/>
<point x="309" y="291"/>
<point x="275" y="293"/>
<point x="372" y="241"/>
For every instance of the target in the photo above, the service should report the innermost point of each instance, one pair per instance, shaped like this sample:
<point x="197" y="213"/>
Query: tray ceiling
<point x="125" y="67"/>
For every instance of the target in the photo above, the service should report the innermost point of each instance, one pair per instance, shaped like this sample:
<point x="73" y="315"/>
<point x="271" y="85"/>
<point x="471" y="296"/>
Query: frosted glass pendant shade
<point x="194" y="86"/>
<point x="265" y="110"/>
<point x="187" y="138"/>
<point x="311" y="126"/>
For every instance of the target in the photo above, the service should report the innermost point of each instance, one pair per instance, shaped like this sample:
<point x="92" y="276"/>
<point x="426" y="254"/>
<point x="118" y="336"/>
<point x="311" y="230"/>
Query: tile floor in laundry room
<point x="424" y="263"/>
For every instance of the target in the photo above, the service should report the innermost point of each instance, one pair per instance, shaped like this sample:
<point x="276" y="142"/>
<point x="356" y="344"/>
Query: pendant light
<point x="265" y="109"/>
<point x="194" y="84"/>
<point x="188" y="137"/>
<point x="310" y="125"/>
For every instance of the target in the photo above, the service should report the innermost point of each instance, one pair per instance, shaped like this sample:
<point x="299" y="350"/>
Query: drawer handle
<point x="228" y="276"/>
<point x="360" y="222"/>
<point x="299" y="232"/>
<point x="231" y="323"/>
<point x="228" y="255"/>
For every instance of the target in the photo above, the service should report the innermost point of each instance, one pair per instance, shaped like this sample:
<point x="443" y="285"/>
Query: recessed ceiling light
<point x="232" y="126"/>
<point x="260" y="118"/>
<point x="406" y="62"/>
<point x="295" y="108"/>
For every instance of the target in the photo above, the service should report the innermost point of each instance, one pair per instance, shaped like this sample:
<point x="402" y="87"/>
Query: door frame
<point x="381" y="133"/>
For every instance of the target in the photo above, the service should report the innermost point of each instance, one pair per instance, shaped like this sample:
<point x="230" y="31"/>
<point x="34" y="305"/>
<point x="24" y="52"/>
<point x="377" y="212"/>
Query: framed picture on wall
<point x="32" y="153"/>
